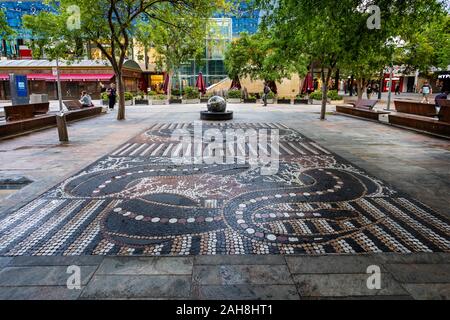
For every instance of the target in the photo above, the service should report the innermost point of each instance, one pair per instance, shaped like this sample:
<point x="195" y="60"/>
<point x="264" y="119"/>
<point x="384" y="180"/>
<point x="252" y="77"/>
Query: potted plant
<point x="284" y="100"/>
<point x="234" y="96"/>
<point x="191" y="95"/>
<point x="270" y="97"/>
<point x="301" y="98"/>
<point x="205" y="98"/>
<point x="105" y="98"/>
<point x="316" y="97"/>
<point x="128" y="98"/>
<point x="159" y="99"/>
<point x="335" y="98"/>
<point x="176" y="95"/>
<point x="250" y="99"/>
<point x="140" y="99"/>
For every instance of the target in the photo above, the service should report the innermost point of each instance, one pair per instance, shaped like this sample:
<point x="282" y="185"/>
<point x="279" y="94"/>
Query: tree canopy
<point x="109" y="25"/>
<point x="5" y="30"/>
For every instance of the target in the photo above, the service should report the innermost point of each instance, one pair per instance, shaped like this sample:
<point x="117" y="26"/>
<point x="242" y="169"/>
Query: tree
<point x="428" y="46"/>
<point x="336" y="33"/>
<point x="109" y="24"/>
<point x="5" y="30"/>
<point x="259" y="57"/>
<point x="176" y="40"/>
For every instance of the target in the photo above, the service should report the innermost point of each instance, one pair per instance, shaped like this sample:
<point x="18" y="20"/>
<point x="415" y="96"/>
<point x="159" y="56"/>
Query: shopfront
<point x="87" y="75"/>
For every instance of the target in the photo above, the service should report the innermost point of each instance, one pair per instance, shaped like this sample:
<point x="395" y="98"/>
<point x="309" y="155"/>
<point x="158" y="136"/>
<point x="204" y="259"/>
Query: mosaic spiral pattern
<point x="135" y="201"/>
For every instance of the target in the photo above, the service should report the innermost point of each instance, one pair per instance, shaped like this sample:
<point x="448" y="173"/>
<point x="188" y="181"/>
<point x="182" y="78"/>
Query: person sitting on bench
<point x="441" y="96"/>
<point x="86" y="100"/>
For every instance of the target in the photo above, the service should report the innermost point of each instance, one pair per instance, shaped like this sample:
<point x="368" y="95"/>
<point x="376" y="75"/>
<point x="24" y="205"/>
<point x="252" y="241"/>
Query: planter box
<point x="141" y="102"/>
<point x="158" y="102"/>
<point x="319" y="102"/>
<point x="249" y="100"/>
<point x="284" y="101"/>
<point x="175" y="101"/>
<point x="129" y="102"/>
<point x="301" y="101"/>
<point x="191" y="101"/>
<point x="337" y="102"/>
<point x="204" y="100"/>
<point x="234" y="100"/>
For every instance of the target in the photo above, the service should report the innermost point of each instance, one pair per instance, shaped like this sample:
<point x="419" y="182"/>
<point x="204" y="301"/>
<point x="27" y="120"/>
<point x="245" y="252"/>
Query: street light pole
<point x="58" y="84"/>
<point x="390" y="86"/>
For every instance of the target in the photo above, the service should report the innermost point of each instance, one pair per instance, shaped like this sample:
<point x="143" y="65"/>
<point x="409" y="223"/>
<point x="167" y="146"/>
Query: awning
<point x="65" y="77"/>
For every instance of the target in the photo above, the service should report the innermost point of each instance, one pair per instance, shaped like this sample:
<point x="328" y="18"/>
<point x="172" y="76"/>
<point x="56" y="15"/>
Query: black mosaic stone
<point x="136" y="201"/>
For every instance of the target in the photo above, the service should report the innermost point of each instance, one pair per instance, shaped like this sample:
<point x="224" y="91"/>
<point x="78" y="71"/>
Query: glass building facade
<point x="14" y="11"/>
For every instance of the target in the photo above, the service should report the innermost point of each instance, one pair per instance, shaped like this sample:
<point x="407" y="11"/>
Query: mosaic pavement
<point x="136" y="201"/>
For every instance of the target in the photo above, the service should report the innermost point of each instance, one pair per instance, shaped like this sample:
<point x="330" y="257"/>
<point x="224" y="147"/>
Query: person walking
<point x="426" y="92"/>
<point x="112" y="95"/>
<point x="265" y="93"/>
<point x="369" y="91"/>
<point x="397" y="89"/>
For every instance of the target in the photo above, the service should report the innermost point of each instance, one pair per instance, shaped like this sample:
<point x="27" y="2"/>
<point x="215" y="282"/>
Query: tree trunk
<point x="146" y="58"/>
<point x="361" y="88"/>
<point x="169" y="86"/>
<point x="323" y="110"/>
<point x="273" y="86"/>
<point x="336" y="79"/>
<point x="121" y="94"/>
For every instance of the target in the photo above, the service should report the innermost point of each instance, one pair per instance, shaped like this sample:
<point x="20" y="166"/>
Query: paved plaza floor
<point x="348" y="194"/>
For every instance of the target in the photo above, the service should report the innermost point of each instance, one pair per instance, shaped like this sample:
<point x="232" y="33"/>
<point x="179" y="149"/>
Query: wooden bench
<point x="41" y="108"/>
<point x="361" y="108"/>
<point x="416" y="108"/>
<point x="439" y="126"/>
<point x="73" y="105"/>
<point x="25" y="111"/>
<point x="14" y="128"/>
<point x="19" y="112"/>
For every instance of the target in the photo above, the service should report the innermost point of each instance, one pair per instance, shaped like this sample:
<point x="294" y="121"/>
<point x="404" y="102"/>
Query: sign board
<point x="19" y="89"/>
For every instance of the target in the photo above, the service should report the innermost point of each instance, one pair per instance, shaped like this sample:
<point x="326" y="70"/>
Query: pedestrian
<point x="397" y="89"/>
<point x="112" y="95"/>
<point x="266" y="92"/>
<point x="441" y="96"/>
<point x="426" y="91"/>
<point x="369" y="91"/>
<point x="86" y="100"/>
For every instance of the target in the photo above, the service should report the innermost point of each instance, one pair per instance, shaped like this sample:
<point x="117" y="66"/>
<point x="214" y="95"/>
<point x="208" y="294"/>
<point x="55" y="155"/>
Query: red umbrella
<point x="201" y="84"/>
<point x="166" y="84"/>
<point x="308" y="85"/>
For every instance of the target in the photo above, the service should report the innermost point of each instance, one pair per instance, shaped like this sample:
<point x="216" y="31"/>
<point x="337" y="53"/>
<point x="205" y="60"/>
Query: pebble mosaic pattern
<point x="135" y="201"/>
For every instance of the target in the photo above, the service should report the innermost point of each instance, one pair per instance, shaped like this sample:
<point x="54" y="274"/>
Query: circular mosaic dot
<point x="155" y="220"/>
<point x="250" y="231"/>
<point x="117" y="209"/>
<point x="190" y="220"/>
<point x="271" y="237"/>
<point x="209" y="219"/>
<point x="139" y="218"/>
<point x="173" y="220"/>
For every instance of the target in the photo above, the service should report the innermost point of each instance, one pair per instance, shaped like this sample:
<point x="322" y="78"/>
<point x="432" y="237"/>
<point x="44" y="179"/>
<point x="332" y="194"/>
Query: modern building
<point x="14" y="10"/>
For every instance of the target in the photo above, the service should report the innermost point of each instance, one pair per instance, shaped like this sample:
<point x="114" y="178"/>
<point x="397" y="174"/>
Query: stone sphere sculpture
<point x="217" y="104"/>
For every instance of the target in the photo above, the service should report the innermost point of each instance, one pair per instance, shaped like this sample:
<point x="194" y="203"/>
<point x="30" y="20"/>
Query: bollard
<point x="61" y="123"/>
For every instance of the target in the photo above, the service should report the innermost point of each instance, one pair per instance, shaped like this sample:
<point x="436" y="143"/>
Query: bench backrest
<point x="41" y="108"/>
<point x="443" y="102"/>
<point x="73" y="105"/>
<point x="19" y="112"/>
<point x="411" y="107"/>
<point x="350" y="102"/>
<point x="444" y="113"/>
<point x="366" y="104"/>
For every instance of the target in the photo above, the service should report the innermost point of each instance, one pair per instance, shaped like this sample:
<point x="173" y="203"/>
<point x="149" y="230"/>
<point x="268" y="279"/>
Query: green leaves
<point x="5" y="30"/>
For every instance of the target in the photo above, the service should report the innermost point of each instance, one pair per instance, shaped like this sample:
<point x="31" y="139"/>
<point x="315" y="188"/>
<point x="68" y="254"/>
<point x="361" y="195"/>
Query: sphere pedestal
<point x="216" y="116"/>
<point x="217" y="107"/>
